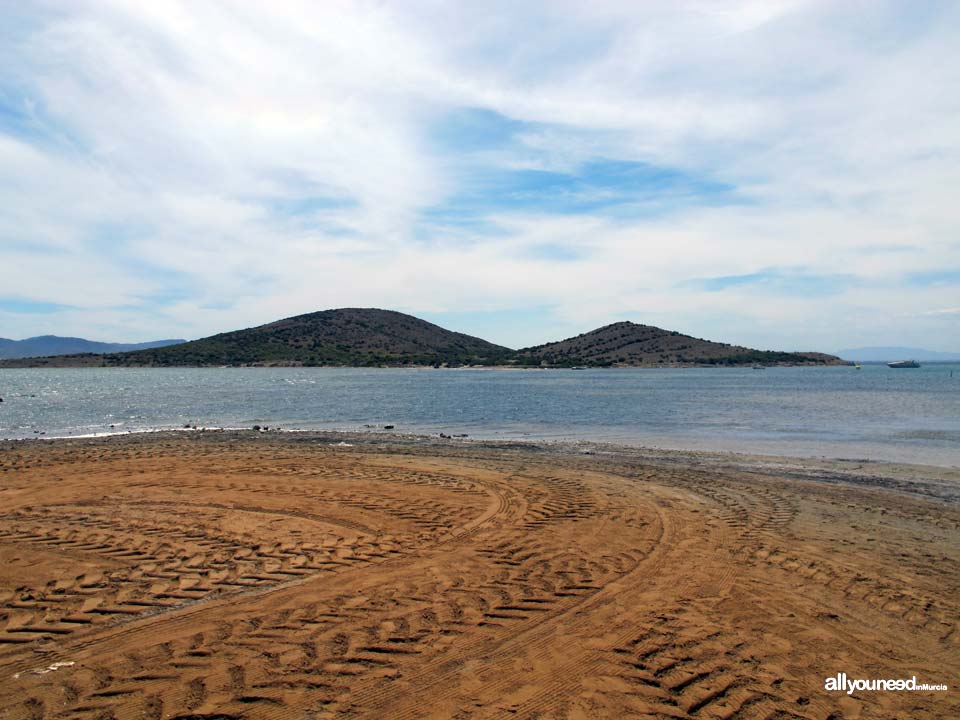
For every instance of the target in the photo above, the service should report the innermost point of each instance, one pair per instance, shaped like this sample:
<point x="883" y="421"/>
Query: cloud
<point x="942" y="311"/>
<point x="769" y="173"/>
<point x="781" y="281"/>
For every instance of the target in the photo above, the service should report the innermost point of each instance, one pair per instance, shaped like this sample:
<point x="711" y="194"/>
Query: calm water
<point x="876" y="413"/>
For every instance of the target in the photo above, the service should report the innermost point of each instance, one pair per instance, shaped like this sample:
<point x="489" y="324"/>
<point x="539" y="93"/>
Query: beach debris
<point x="344" y="444"/>
<point x="445" y="436"/>
<point x="49" y="668"/>
<point x="256" y="428"/>
<point x="388" y="427"/>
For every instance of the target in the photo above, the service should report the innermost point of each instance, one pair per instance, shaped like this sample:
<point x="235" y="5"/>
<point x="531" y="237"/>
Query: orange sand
<point x="231" y="575"/>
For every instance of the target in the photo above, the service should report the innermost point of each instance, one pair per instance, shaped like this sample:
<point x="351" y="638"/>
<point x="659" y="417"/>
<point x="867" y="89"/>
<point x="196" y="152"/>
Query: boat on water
<point x="904" y="364"/>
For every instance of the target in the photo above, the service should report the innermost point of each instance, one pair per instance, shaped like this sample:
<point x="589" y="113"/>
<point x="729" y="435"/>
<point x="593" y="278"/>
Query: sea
<point x="876" y="413"/>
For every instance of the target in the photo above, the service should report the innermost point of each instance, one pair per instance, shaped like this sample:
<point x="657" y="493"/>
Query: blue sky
<point x="775" y="174"/>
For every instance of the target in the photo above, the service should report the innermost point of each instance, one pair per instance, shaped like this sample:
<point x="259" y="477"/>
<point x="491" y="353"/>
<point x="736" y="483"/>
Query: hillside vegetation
<point x="351" y="336"/>
<point x="630" y="344"/>
<point x="367" y="337"/>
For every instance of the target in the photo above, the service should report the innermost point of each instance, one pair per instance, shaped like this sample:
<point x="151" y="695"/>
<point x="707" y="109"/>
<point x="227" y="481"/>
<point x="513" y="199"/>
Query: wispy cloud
<point x="942" y="311"/>
<point x="779" y="281"/>
<point x="771" y="173"/>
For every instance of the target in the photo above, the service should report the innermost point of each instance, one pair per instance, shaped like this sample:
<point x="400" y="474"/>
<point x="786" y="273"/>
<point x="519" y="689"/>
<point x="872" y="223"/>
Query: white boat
<point x="904" y="364"/>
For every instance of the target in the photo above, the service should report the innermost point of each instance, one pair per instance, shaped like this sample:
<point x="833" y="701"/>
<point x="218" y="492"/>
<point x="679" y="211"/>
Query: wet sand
<point x="230" y="575"/>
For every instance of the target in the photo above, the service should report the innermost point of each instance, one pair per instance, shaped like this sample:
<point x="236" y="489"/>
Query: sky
<point x="782" y="175"/>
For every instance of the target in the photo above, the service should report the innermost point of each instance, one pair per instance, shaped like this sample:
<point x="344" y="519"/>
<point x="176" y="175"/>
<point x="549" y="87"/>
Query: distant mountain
<point x="630" y="344"/>
<point x="361" y="337"/>
<point x="47" y="345"/>
<point x="887" y="354"/>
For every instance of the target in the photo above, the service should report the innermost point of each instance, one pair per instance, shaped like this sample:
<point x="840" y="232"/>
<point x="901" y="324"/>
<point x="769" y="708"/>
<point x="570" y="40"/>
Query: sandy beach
<point x="228" y="575"/>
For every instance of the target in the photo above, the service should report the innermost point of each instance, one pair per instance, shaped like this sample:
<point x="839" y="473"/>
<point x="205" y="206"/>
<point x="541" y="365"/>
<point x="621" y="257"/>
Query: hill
<point x="47" y="345"/>
<point x="366" y="337"/>
<point x="886" y="354"/>
<point x="630" y="344"/>
<point x="350" y="336"/>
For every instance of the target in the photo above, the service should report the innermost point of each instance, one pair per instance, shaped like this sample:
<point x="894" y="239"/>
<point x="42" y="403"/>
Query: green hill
<point x="350" y="336"/>
<point x="633" y="345"/>
<point x="367" y="337"/>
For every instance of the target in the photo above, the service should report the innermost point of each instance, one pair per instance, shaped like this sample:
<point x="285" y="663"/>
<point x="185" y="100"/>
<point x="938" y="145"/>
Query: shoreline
<point x="930" y="481"/>
<point x="11" y="364"/>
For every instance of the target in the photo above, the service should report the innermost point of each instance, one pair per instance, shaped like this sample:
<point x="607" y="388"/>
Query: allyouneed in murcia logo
<point x="841" y="682"/>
